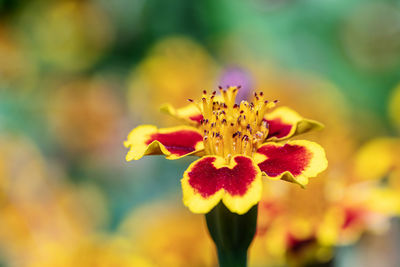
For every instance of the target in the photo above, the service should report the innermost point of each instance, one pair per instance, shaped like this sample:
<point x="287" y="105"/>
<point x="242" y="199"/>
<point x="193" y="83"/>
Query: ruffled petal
<point x="210" y="180"/>
<point x="284" y="123"/>
<point x="294" y="161"/>
<point x="190" y="113"/>
<point x="174" y="143"/>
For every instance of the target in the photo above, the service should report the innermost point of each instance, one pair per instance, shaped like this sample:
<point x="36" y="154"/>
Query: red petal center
<point x="197" y="118"/>
<point x="206" y="179"/>
<point x="277" y="128"/>
<point x="292" y="158"/>
<point x="179" y="142"/>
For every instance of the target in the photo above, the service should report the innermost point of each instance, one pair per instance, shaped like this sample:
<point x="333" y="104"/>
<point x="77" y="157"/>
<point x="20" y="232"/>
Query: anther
<point x="190" y="100"/>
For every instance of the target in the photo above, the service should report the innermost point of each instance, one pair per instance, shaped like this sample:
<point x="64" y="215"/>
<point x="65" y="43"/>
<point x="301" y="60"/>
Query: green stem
<point x="321" y="264"/>
<point x="232" y="234"/>
<point x="232" y="258"/>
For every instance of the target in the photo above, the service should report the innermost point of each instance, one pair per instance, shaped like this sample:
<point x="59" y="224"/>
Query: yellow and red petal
<point x="210" y="180"/>
<point x="189" y="113"/>
<point x="174" y="143"/>
<point x="284" y="122"/>
<point x="294" y="161"/>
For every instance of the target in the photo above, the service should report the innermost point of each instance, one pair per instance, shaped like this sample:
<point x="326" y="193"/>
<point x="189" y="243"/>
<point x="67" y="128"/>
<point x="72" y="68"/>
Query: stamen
<point x="231" y="129"/>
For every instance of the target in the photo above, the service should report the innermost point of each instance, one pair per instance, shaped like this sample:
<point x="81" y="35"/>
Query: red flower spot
<point x="296" y="245"/>
<point x="353" y="217"/>
<point x="277" y="128"/>
<point x="207" y="180"/>
<point x="179" y="142"/>
<point x="197" y="118"/>
<point x="292" y="158"/>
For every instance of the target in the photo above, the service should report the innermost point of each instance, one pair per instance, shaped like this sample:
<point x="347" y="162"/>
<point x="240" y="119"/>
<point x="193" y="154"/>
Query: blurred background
<point x="77" y="75"/>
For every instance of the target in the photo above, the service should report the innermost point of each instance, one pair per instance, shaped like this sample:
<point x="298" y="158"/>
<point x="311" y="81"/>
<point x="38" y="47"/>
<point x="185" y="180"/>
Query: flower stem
<point x="232" y="234"/>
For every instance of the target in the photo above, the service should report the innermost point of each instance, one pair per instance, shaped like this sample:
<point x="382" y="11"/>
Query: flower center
<point x="229" y="128"/>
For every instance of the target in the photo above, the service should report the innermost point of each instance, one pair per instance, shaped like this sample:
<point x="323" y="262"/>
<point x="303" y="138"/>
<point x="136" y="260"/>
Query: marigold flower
<point x="238" y="144"/>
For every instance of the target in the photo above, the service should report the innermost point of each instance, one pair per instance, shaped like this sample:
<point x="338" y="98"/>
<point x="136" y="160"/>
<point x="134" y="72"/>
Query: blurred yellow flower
<point x="17" y="71"/>
<point x="93" y="251"/>
<point x="84" y="115"/>
<point x="41" y="212"/>
<point x="169" y="236"/>
<point x="68" y="35"/>
<point x="171" y="72"/>
<point x="378" y="158"/>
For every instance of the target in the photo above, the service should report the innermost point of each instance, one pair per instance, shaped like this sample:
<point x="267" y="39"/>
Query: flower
<point x="238" y="144"/>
